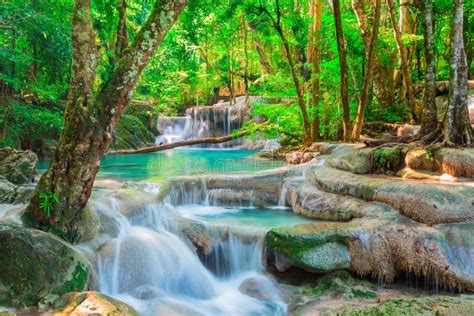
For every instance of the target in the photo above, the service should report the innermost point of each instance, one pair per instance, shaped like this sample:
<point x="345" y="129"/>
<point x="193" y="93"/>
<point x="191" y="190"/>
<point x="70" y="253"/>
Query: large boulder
<point x="17" y="166"/>
<point x="380" y="247"/>
<point x="424" y="202"/>
<point x="37" y="267"/>
<point x="457" y="162"/>
<point x="317" y="247"/>
<point x="7" y="191"/>
<point x="14" y="194"/>
<point x="91" y="303"/>
<point x="355" y="160"/>
<point x="311" y="202"/>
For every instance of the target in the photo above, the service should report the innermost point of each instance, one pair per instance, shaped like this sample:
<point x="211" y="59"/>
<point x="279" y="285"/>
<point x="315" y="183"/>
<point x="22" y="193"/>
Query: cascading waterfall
<point x="151" y="268"/>
<point x="197" y="193"/>
<point x="205" y="121"/>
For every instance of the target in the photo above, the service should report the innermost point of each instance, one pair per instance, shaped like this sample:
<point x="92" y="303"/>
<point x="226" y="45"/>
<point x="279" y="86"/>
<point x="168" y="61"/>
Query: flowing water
<point x="153" y="269"/>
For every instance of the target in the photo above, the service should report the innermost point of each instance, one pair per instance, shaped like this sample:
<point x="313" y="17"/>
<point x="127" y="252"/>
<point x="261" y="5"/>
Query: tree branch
<point x="196" y="141"/>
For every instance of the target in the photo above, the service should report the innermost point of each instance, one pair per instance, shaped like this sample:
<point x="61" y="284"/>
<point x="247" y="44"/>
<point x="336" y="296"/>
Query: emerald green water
<point x="177" y="162"/>
<point x="256" y="217"/>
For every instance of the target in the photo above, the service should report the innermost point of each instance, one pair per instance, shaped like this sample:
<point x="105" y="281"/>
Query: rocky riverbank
<point x="367" y="225"/>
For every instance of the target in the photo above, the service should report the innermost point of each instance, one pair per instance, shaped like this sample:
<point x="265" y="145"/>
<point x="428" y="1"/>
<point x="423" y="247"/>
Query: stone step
<point x="424" y="202"/>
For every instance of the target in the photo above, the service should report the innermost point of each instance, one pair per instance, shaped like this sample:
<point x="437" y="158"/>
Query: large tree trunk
<point x="90" y="117"/>
<point x="458" y="128"/>
<point x="367" y="83"/>
<point x="414" y="103"/>
<point x="429" y="119"/>
<point x="314" y="59"/>
<point x="346" y="117"/>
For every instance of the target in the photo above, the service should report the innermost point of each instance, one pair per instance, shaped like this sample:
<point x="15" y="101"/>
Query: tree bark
<point x="314" y="59"/>
<point x="383" y="80"/>
<point x="367" y="83"/>
<point x="414" y="103"/>
<point x="190" y="142"/>
<point x="90" y="117"/>
<point x="294" y="75"/>
<point x="458" y="128"/>
<point x="429" y="119"/>
<point x="262" y="56"/>
<point x="346" y="118"/>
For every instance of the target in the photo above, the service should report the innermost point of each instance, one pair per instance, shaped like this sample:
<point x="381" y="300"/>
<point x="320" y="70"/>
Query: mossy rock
<point x="435" y="305"/>
<point x="37" y="267"/>
<point x="145" y="112"/>
<point x="389" y="159"/>
<point x="355" y="160"/>
<point x="17" y="166"/>
<point x="342" y="284"/>
<point x="130" y="132"/>
<point x="317" y="247"/>
<point x="91" y="303"/>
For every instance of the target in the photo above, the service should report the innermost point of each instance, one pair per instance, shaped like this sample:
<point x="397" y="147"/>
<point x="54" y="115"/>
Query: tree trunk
<point x="383" y="80"/>
<point x="414" y="103"/>
<point x="190" y="142"/>
<point x="429" y="119"/>
<point x="367" y="83"/>
<point x="314" y="59"/>
<point x="246" y="59"/>
<point x="346" y="117"/>
<point x="262" y="56"/>
<point x="293" y="71"/>
<point x="90" y="117"/>
<point x="458" y="128"/>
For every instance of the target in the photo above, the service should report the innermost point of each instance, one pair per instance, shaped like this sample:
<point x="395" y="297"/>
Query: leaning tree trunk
<point x="314" y="59"/>
<point x="429" y="119"/>
<point x="414" y="103"/>
<point x="458" y="129"/>
<point x="346" y="117"/>
<point x="366" y="84"/>
<point x="90" y="117"/>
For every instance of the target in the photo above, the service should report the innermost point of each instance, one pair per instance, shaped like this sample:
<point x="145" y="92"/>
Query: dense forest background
<point x="220" y="49"/>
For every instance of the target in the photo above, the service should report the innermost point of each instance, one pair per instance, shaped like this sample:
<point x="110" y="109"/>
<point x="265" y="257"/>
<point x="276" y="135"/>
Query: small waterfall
<point x="233" y="256"/>
<point x="153" y="269"/>
<point x="196" y="193"/>
<point x="205" y="121"/>
<point x="171" y="129"/>
<point x="283" y="195"/>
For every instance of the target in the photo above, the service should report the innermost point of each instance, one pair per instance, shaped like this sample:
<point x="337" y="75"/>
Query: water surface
<point x="177" y="162"/>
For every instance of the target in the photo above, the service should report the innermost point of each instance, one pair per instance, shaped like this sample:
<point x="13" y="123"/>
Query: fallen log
<point x="196" y="141"/>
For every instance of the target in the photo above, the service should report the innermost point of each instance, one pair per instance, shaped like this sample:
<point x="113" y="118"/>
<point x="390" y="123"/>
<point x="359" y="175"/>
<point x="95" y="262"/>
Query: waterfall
<point x="153" y="269"/>
<point x="233" y="256"/>
<point x="283" y="195"/>
<point x="205" y="121"/>
<point x="196" y="193"/>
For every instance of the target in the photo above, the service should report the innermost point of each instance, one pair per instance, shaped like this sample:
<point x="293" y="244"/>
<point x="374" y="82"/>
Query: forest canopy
<point x="221" y="49"/>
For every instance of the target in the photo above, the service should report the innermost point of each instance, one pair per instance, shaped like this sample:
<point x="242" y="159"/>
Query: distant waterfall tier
<point x="206" y="121"/>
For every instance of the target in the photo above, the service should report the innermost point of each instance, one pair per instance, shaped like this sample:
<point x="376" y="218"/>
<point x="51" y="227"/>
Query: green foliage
<point x="29" y="126"/>
<point x="47" y="202"/>
<point x="208" y="53"/>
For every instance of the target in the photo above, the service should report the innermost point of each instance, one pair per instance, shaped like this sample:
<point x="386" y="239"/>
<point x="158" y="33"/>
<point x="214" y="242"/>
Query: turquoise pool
<point x="179" y="162"/>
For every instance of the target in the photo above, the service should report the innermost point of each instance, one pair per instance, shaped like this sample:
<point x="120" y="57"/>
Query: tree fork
<point x="90" y="117"/>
